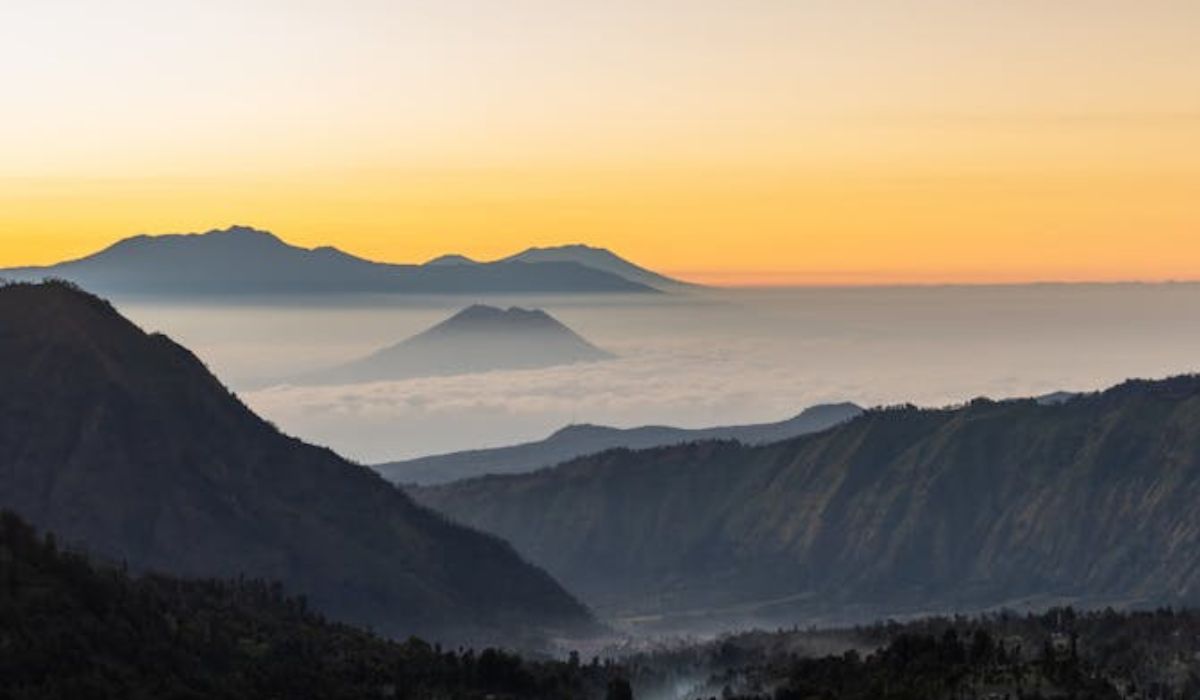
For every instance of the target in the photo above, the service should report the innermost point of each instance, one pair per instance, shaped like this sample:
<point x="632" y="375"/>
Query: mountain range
<point x="476" y="339"/>
<point x="123" y="443"/>
<point x="599" y="259"/>
<point x="244" y="261"/>
<point x="577" y="440"/>
<point x="595" y="258"/>
<point x="1088" y="498"/>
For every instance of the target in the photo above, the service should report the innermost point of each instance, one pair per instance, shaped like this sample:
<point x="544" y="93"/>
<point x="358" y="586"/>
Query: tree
<point x="619" y="689"/>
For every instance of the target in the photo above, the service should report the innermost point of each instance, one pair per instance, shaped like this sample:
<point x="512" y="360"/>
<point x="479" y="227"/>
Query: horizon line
<point x="732" y="279"/>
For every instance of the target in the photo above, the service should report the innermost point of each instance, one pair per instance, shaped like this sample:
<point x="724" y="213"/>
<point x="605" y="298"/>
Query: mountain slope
<point x="242" y="260"/>
<point x="476" y="339"/>
<point x="599" y="259"/>
<point x="74" y="628"/>
<point x="1092" y="499"/>
<point x="124" y="442"/>
<point x="578" y="440"/>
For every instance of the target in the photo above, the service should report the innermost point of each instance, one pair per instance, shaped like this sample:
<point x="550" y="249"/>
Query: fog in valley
<point x="700" y="358"/>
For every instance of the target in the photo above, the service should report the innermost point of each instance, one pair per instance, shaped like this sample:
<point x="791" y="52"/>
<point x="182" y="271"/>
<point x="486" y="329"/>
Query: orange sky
<point x="754" y="142"/>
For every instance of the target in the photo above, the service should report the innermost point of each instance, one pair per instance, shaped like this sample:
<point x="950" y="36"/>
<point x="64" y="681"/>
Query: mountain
<point x="599" y="259"/>
<point x="1056" y="397"/>
<point x="123" y="443"/>
<point x="476" y="339"/>
<point x="578" y="440"/>
<point x="451" y="259"/>
<point x="241" y="260"/>
<point x="1091" y="500"/>
<point x="77" y="628"/>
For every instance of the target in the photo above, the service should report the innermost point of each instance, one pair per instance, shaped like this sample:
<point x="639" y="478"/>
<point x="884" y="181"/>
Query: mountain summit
<point x="241" y="260"/>
<point x="484" y="319"/>
<point x="599" y="259"/>
<point x="451" y="259"/>
<point x="123" y="442"/>
<point x="478" y="338"/>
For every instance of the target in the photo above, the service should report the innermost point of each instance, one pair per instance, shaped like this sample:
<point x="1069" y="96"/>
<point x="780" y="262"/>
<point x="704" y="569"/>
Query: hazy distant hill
<point x="1092" y="498"/>
<point x="578" y="440"/>
<point x="450" y="259"/>
<point x="598" y="259"/>
<point x="241" y="260"/>
<point x="477" y="339"/>
<point x="124" y="442"/>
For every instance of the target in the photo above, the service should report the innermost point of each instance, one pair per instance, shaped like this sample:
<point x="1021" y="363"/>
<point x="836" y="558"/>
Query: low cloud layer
<point x="735" y="359"/>
<point x="685" y="386"/>
<point x="690" y="386"/>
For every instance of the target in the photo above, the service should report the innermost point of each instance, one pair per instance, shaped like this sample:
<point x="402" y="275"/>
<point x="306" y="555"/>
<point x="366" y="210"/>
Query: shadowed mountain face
<point x="598" y="259"/>
<point x="123" y="442"/>
<point x="241" y="260"/>
<point x="73" y="627"/>
<point x="578" y="440"/>
<point x="1093" y="498"/>
<point x="477" y="339"/>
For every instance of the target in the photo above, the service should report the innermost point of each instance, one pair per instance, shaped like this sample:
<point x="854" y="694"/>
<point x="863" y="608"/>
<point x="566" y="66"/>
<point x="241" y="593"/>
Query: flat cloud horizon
<point x="678" y="384"/>
<point x="726" y="359"/>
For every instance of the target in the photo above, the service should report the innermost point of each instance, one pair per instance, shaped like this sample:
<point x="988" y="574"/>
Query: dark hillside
<point x="70" y="628"/>
<point x="123" y="442"/>
<point x="1092" y="499"/>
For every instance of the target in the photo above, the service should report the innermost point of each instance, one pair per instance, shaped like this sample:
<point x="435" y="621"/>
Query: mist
<point x="706" y="358"/>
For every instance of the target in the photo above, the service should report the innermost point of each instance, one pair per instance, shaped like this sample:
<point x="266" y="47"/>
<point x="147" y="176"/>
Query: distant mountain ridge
<point x="244" y="260"/>
<point x="578" y="440"/>
<point x="451" y="259"/>
<point x="123" y="442"/>
<point x="598" y="259"/>
<point x="476" y="339"/>
<point x="1090" y="498"/>
<point x="588" y="256"/>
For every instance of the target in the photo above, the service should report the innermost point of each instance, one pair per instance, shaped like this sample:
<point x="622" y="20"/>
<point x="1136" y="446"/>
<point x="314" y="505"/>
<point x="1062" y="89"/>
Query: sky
<point x="744" y="142"/>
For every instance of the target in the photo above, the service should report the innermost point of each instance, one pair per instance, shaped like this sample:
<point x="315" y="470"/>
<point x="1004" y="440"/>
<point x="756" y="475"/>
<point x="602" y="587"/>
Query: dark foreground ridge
<point x="1061" y="653"/>
<point x="124" y="443"/>
<point x="72" y="628"/>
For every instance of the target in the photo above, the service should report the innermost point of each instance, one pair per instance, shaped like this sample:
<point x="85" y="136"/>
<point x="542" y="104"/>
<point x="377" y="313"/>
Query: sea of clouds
<point x="714" y="360"/>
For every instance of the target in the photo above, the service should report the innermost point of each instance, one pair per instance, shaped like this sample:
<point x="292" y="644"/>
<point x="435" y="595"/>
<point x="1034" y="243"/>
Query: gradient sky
<point x="748" y="141"/>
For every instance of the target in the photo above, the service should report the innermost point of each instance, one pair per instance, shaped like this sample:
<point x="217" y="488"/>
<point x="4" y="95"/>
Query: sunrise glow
<point x="729" y="143"/>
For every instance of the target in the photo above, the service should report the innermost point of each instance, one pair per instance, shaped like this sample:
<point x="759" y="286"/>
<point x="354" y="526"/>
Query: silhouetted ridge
<point x="232" y="238"/>
<point x="452" y="259"/>
<point x="124" y="442"/>
<point x="581" y="430"/>
<point x="243" y="260"/>
<point x="1183" y="386"/>
<point x="599" y="259"/>
<point x="577" y="440"/>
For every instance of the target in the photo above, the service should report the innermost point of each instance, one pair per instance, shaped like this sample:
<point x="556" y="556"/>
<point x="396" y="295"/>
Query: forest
<point x="72" y="627"/>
